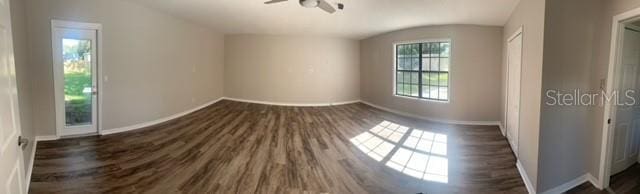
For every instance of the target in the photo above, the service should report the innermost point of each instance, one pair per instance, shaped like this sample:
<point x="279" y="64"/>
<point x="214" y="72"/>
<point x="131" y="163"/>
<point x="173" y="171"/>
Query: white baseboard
<point x="30" y="165"/>
<point x="46" y="138"/>
<point x="594" y="181"/>
<point x="157" y="121"/>
<point x="571" y="184"/>
<point x="455" y="122"/>
<point x="291" y="104"/>
<point x="33" y="155"/>
<point x="525" y="178"/>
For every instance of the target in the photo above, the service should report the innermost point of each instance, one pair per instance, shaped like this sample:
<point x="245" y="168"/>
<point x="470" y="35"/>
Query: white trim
<point x="30" y="165"/>
<point x="99" y="77"/>
<point x="516" y="33"/>
<point x="33" y="155"/>
<point x="75" y="25"/>
<point x="292" y="104"/>
<point x="502" y="130"/>
<point x="438" y="120"/>
<point x="525" y="178"/>
<point x="157" y="121"/>
<point x="571" y="184"/>
<point x="47" y="138"/>
<point x="634" y="27"/>
<point x="594" y="181"/>
<point x="609" y="111"/>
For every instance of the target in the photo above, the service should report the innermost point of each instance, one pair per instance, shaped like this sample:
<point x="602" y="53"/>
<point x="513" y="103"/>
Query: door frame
<point x="518" y="32"/>
<point x="606" y="152"/>
<point x="99" y="77"/>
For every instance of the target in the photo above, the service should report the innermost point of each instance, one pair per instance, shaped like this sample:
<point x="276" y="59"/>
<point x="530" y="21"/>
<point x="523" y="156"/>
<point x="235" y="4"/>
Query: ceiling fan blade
<point x="326" y="6"/>
<point x="274" y="1"/>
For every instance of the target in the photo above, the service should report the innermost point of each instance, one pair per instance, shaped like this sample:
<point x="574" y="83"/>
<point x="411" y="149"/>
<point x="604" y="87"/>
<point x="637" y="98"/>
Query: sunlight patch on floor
<point x="422" y="154"/>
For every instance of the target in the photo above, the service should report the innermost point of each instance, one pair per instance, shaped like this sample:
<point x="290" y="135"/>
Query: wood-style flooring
<point x="235" y="147"/>
<point x="627" y="181"/>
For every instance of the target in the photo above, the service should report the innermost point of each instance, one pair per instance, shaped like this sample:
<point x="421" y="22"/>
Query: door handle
<point x="22" y="142"/>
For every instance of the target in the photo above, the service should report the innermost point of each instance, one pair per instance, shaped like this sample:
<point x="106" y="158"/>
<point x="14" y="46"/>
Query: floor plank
<point x="234" y="147"/>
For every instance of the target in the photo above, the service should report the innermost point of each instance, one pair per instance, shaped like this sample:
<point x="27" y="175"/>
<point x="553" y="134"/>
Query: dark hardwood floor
<point x="234" y="147"/>
<point x="627" y="181"/>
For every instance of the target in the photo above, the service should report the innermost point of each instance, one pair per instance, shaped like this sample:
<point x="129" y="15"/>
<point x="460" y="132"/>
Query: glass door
<point x="75" y="76"/>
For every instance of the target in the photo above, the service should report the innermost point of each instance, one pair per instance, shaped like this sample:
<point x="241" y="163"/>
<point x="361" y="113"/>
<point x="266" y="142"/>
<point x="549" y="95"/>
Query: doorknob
<point x="22" y="142"/>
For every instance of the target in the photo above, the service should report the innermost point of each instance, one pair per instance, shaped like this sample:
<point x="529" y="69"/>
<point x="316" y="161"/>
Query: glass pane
<point x="414" y="78"/>
<point x="444" y="64"/>
<point x="425" y="64"/>
<point x="398" y="77"/>
<point x="425" y="78"/>
<point x="76" y="56"/>
<point x="425" y="92"/>
<point x="433" y="92"/>
<point x="414" y="90"/>
<point x="445" y="49"/>
<point x="415" y="65"/>
<point x="435" y="49"/>
<point x="433" y="79"/>
<point x="398" y="88"/>
<point x="443" y="93"/>
<point x="435" y="64"/>
<point x="443" y="79"/>
<point x="415" y="50"/>
<point x="406" y="89"/>
<point x="407" y="77"/>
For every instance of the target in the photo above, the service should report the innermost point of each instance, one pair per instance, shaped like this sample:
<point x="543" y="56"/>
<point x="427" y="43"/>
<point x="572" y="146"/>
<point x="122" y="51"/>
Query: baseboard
<point x="594" y="181"/>
<point x="33" y="155"/>
<point x="30" y="167"/>
<point x="571" y="184"/>
<point x="157" y="121"/>
<point x="525" y="178"/>
<point x="291" y="104"/>
<point x="455" y="122"/>
<point x="46" y="138"/>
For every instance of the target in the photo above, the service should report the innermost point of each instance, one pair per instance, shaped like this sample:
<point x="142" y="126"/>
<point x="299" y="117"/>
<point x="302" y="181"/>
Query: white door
<point x="11" y="165"/>
<point x="514" y="59"/>
<point x="75" y="75"/>
<point x="627" y="118"/>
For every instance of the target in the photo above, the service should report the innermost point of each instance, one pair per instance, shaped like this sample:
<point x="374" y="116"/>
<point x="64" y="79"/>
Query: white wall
<point x="157" y="65"/>
<point x="569" y="43"/>
<point x="474" y="72"/>
<point x="292" y="69"/>
<point x="529" y="14"/>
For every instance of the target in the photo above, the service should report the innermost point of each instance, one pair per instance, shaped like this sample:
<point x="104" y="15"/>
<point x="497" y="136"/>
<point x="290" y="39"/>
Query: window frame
<point x="395" y="70"/>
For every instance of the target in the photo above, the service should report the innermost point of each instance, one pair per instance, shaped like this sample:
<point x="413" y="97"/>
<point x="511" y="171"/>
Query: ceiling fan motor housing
<point x="309" y="3"/>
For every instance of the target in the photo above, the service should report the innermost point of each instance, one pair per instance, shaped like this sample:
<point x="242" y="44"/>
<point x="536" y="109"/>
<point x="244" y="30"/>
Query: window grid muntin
<point x="435" y="50"/>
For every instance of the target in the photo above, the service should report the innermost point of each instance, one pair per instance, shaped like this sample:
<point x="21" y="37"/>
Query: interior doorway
<point x="621" y="122"/>
<point x="514" y="66"/>
<point x="75" y="67"/>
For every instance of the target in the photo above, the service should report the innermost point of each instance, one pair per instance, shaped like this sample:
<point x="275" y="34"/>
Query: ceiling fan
<point x="322" y="4"/>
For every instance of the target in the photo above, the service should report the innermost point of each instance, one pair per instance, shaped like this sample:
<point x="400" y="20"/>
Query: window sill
<point x="423" y="99"/>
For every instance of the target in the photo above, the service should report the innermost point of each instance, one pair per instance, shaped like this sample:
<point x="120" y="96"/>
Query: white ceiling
<point x="360" y="19"/>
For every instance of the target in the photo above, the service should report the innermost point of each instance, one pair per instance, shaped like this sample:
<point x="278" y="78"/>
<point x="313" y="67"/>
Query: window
<point x="422" y="70"/>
